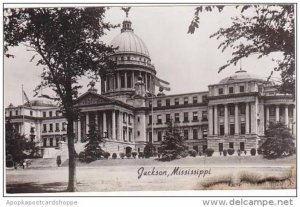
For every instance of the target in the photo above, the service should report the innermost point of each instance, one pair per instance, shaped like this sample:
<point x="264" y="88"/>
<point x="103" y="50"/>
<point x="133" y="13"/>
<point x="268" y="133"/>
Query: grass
<point x="252" y="180"/>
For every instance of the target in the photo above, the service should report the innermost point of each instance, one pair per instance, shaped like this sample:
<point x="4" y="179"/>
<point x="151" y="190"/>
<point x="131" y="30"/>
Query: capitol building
<point x="129" y="111"/>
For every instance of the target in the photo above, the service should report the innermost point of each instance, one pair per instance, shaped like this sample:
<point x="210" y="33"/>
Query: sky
<point x="190" y="62"/>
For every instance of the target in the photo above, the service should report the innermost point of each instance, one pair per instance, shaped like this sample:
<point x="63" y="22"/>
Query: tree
<point x="17" y="146"/>
<point x="67" y="44"/>
<point x="173" y="144"/>
<point x="149" y="150"/>
<point x="279" y="142"/>
<point x="259" y="30"/>
<point x="92" y="150"/>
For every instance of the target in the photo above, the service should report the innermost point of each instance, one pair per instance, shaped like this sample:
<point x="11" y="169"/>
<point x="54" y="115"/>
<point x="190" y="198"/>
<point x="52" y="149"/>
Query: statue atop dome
<point x="126" y="10"/>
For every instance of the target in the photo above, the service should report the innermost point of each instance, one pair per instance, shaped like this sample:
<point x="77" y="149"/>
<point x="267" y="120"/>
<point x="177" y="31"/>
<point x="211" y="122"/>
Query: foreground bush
<point x="193" y="153"/>
<point x="122" y="155"/>
<point x="128" y="155"/>
<point x="230" y="151"/>
<point x="225" y="153"/>
<point x="134" y="154"/>
<point x="141" y="155"/>
<point x="253" y="151"/>
<point x="106" y="155"/>
<point x="114" y="156"/>
<point x="209" y="152"/>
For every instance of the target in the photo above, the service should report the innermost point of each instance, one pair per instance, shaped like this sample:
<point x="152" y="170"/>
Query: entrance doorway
<point x="128" y="150"/>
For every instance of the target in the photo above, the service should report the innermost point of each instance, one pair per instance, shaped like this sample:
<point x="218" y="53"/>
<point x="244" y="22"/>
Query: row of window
<point x="122" y="58"/>
<point x="185" y="134"/>
<point x="177" y="117"/>
<point x="50" y="113"/>
<point x="127" y="116"/>
<point x="232" y="129"/>
<point x="176" y="101"/>
<point x="231" y="90"/>
<point x="231" y="146"/>
<point x="49" y="127"/>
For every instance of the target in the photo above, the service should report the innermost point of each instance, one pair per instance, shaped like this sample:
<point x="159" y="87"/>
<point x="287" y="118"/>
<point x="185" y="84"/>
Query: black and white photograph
<point x="110" y="98"/>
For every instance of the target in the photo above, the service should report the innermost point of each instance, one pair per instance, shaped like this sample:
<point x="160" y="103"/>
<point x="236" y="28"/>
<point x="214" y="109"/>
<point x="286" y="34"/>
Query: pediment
<point x="92" y="99"/>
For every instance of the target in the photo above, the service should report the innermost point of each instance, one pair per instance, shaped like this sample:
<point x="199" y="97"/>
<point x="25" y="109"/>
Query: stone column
<point x="216" y="120"/>
<point x="236" y="119"/>
<point x="132" y="79"/>
<point x="286" y="121"/>
<point x="119" y="80"/>
<point x="146" y="81"/>
<point x="267" y="116"/>
<point x="79" y="129"/>
<point x="104" y="122"/>
<point x="120" y="126"/>
<point x="125" y="73"/>
<point x="210" y="120"/>
<point x="113" y="126"/>
<point x="226" y="119"/>
<point x="247" y="118"/>
<point x="87" y="122"/>
<point x="128" y="127"/>
<point x="96" y="120"/>
<point x="277" y="113"/>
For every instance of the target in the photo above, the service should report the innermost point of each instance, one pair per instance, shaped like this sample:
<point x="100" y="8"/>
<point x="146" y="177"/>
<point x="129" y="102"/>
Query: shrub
<point x="128" y="155"/>
<point x="239" y="152"/>
<point x="159" y="155"/>
<point x="149" y="150"/>
<point x="209" y="152"/>
<point x="230" y="151"/>
<point x="81" y="156"/>
<point x="200" y="154"/>
<point x="122" y="155"/>
<point x="141" y="155"/>
<point x="134" y="154"/>
<point x="259" y="151"/>
<point x="245" y="152"/>
<point x="225" y="153"/>
<point x="183" y="154"/>
<point x="114" y="155"/>
<point x="193" y="153"/>
<point x="106" y="155"/>
<point x="253" y="151"/>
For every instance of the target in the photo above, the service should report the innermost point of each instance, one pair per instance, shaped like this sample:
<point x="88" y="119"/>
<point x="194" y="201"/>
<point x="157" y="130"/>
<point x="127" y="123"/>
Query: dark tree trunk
<point x="72" y="155"/>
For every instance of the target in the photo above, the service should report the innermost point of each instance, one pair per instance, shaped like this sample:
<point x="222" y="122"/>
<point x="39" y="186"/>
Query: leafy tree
<point x="67" y="44"/>
<point x="92" y="150"/>
<point x="17" y="146"/>
<point x="259" y="30"/>
<point x="173" y="144"/>
<point x="148" y="150"/>
<point x="279" y="142"/>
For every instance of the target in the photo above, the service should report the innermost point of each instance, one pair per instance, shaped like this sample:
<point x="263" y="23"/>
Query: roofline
<point x="180" y="94"/>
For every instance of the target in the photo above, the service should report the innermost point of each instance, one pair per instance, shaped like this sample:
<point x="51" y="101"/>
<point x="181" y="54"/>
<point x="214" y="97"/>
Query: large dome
<point x="240" y="76"/>
<point x="128" y="42"/>
<point x="40" y="102"/>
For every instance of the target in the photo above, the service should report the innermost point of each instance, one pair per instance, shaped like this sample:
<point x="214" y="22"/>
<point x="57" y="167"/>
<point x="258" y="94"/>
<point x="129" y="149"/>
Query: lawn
<point x="123" y="175"/>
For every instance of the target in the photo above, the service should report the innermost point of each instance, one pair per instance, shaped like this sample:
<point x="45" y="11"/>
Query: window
<point x="221" y="110"/>
<point x="177" y="118"/>
<point x="150" y="104"/>
<point x="150" y="137"/>
<point x="45" y="142"/>
<point x="195" y="99"/>
<point x="220" y="147"/>
<point x="129" y="80"/>
<point x="158" y="103"/>
<point x="138" y="133"/>
<point x="129" y="119"/>
<point x="242" y="146"/>
<point x="44" y="127"/>
<point x="195" y="116"/>
<point x="231" y="129"/>
<point x="231" y="90"/>
<point x="63" y="126"/>
<point x="51" y="142"/>
<point x="242" y="108"/>
<point x="176" y="101"/>
<point x="50" y="113"/>
<point x="204" y="99"/>
<point x="138" y="119"/>
<point x="186" y="134"/>
<point x="204" y="115"/>
<point x="159" y="136"/>
<point x="57" y="127"/>
<point x="185" y="116"/>
<point x="44" y="114"/>
<point x="222" y="130"/>
<point x="150" y="119"/>
<point x="204" y="132"/>
<point x="167" y="102"/>
<point x="195" y="133"/>
<point x="31" y="113"/>
<point x="168" y="118"/>
<point x="124" y="117"/>
<point x="231" y="145"/>
<point x="186" y="100"/>
<point x="10" y="113"/>
<point x="50" y="127"/>
<point x="231" y="110"/>
<point x="243" y="128"/>
<point x="159" y="121"/>
<point x="122" y="77"/>
<point x="272" y="110"/>
<point x="221" y="91"/>
<point x="17" y="113"/>
<point x="242" y="89"/>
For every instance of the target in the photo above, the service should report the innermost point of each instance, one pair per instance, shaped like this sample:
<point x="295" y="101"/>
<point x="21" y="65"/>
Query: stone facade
<point x="233" y="113"/>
